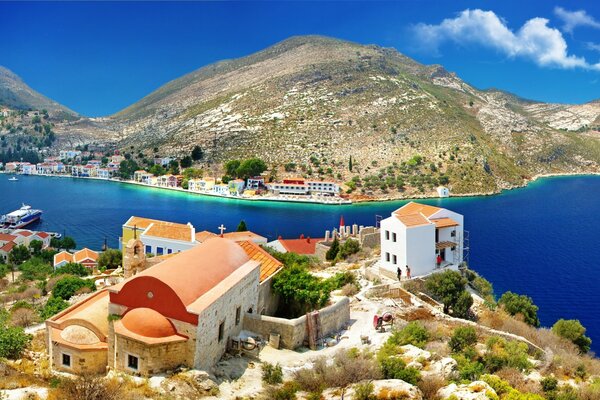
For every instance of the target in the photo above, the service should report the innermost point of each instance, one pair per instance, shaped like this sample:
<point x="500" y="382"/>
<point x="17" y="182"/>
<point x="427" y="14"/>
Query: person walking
<point x="439" y="260"/>
<point x="399" y="274"/>
<point x="407" y="272"/>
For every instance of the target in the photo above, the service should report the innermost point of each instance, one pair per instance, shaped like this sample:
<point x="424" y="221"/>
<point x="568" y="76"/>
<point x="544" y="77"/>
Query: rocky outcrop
<point x="382" y="389"/>
<point x="477" y="390"/>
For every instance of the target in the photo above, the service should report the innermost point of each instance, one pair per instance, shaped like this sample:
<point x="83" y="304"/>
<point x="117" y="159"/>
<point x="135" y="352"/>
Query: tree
<point x="520" y="304"/>
<point x="186" y="162"/>
<point x="23" y="317"/>
<point x="349" y="247"/>
<point x="463" y="337"/>
<point x="157" y="170"/>
<point x="251" y="167"/>
<point x="110" y="259"/>
<point x="197" y="153"/>
<point x="449" y="288"/>
<point x="66" y="287"/>
<point x="127" y="168"/>
<point x="17" y="256"/>
<point x="571" y="329"/>
<point x="350" y="164"/>
<point x="66" y="243"/>
<point x="36" y="247"/>
<point x="242" y="226"/>
<point x="53" y="306"/>
<point x="13" y="340"/>
<point x="231" y="167"/>
<point x="35" y="269"/>
<point x="174" y="167"/>
<point x="333" y="250"/>
<point x="300" y="291"/>
<point x="72" y="269"/>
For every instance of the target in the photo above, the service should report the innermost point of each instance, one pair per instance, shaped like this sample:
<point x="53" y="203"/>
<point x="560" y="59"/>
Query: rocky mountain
<point x="17" y="95"/>
<point x="309" y="104"/>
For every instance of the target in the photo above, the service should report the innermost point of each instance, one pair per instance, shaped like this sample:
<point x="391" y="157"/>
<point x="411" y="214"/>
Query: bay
<point x="542" y="240"/>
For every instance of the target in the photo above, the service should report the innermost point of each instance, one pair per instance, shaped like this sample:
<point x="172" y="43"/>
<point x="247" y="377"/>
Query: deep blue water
<point x="543" y="240"/>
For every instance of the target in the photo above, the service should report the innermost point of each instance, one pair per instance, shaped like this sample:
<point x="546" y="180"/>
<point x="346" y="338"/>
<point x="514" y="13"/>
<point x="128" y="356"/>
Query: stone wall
<point x="152" y="359"/>
<point x="244" y="295"/>
<point x="268" y="300"/>
<point x="89" y="361"/>
<point x="292" y="332"/>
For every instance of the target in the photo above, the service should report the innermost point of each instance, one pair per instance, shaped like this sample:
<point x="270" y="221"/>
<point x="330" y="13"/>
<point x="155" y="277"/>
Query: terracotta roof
<point x="24" y="233"/>
<point x="85" y="254"/>
<point x="148" y="322"/>
<point x="169" y="230"/>
<point x="300" y="246"/>
<point x="194" y="272"/>
<point x="417" y="208"/>
<point x="269" y="265"/>
<point x="242" y="236"/>
<point x="93" y="310"/>
<point x="8" y="247"/>
<point x="204" y="235"/>
<point x="444" y="222"/>
<point x="62" y="256"/>
<point x="5" y="237"/>
<point x="413" y="219"/>
<point x="43" y="235"/>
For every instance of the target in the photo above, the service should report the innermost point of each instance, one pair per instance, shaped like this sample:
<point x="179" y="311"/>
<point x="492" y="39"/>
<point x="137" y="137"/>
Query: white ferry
<point x="20" y="218"/>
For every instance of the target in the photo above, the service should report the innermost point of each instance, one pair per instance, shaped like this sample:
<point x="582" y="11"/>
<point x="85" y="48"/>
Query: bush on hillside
<point x="516" y="304"/>
<point x="66" y="287"/>
<point x="53" y="306"/>
<point x="449" y="288"/>
<point x="502" y="353"/>
<point x="13" y="340"/>
<point x="110" y="259"/>
<point x="413" y="333"/>
<point x="35" y="269"/>
<point x="463" y="337"/>
<point x="571" y="329"/>
<point x="72" y="269"/>
<point x="272" y="374"/>
<point x="299" y="291"/>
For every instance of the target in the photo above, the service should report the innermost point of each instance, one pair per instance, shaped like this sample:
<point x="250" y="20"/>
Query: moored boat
<point x="20" y="218"/>
<point x="13" y="179"/>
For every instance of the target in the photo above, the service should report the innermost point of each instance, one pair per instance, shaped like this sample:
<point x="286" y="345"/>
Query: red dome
<point x="148" y="322"/>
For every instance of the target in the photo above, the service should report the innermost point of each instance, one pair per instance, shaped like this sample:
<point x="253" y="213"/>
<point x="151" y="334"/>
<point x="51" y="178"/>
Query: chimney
<point x="302" y="236"/>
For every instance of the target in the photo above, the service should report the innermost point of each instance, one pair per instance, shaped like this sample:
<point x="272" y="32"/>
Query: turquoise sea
<point x="542" y="240"/>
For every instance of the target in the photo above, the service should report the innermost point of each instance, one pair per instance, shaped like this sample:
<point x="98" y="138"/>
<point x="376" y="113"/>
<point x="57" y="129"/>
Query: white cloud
<point x="593" y="46"/>
<point x="573" y="19"/>
<point x="535" y="40"/>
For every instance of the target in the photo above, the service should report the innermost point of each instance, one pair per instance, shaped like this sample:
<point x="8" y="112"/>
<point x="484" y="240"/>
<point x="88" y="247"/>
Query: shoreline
<point x="343" y="202"/>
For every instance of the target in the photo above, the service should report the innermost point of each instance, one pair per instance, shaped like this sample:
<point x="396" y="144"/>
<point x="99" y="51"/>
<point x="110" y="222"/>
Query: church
<point x="177" y="310"/>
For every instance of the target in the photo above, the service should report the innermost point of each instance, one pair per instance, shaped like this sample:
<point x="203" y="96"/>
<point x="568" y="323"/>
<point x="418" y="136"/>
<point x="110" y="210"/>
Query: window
<point x="221" y="330"/>
<point x="387" y="235"/>
<point x="148" y="249"/>
<point x="132" y="362"/>
<point x="159" y="251"/>
<point x="387" y="257"/>
<point x="169" y="251"/>
<point x="238" y="315"/>
<point x="453" y="233"/>
<point x="66" y="360"/>
<point x="393" y="237"/>
<point x="394" y="259"/>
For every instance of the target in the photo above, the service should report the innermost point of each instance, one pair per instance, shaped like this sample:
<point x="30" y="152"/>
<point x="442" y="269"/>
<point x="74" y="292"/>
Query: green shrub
<point x="272" y="374"/>
<point x="333" y="250"/>
<point x="72" y="269"/>
<point x="483" y="287"/>
<point x="463" y="336"/>
<point x="35" y="269"/>
<point x="571" y="329"/>
<point x="66" y="287"/>
<point x="364" y="391"/>
<point x="53" y="306"/>
<point x="300" y="291"/>
<point x="520" y="304"/>
<point x="349" y="247"/>
<point x="500" y="386"/>
<point x="21" y="304"/>
<point x="449" y="288"/>
<point x="13" y="340"/>
<point x="549" y="383"/>
<point x="503" y="353"/>
<point x="413" y="333"/>
<point x="468" y="369"/>
<point x="395" y="368"/>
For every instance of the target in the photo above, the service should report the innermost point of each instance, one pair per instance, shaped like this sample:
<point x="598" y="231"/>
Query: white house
<point x="415" y="234"/>
<point x="221" y="189"/>
<point x="323" y="187"/>
<point x="443" y="191"/>
<point x="236" y="187"/>
<point x="29" y="169"/>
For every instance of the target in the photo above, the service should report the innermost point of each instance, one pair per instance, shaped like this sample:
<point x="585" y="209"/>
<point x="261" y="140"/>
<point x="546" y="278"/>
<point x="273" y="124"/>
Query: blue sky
<point x="98" y="58"/>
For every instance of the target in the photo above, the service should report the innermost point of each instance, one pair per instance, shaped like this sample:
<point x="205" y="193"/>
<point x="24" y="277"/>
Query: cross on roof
<point x="222" y="229"/>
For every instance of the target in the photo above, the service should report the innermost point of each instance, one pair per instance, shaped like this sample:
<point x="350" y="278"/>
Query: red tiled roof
<point x="417" y="208"/>
<point x="5" y="237"/>
<point x="268" y="264"/>
<point x="43" y="235"/>
<point x="24" y="233"/>
<point x="8" y="247"/>
<point x="300" y="246"/>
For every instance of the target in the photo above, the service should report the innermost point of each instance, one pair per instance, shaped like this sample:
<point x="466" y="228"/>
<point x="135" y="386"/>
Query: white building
<point x="29" y="169"/>
<point x="443" y="191"/>
<point x="159" y="237"/>
<point x="323" y="187"/>
<point x="221" y="189"/>
<point x="415" y="234"/>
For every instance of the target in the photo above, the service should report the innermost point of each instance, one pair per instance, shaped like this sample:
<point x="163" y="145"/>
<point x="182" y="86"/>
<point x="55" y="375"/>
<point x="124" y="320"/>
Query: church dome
<point x="148" y="322"/>
<point x="78" y="334"/>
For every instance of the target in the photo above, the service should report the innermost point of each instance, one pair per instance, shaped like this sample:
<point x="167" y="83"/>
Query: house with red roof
<point x="419" y="239"/>
<point x="302" y="245"/>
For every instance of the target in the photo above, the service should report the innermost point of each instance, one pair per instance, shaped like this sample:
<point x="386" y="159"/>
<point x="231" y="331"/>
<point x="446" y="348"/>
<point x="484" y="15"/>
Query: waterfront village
<point x="248" y="181"/>
<point x="390" y="311"/>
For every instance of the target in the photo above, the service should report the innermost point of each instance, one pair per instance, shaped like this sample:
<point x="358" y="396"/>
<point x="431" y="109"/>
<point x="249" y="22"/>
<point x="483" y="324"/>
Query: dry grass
<point x="562" y="356"/>
<point x="430" y="384"/>
<point x="417" y="314"/>
<point x="515" y="378"/>
<point x="346" y="368"/>
<point x="89" y="387"/>
<point x="349" y="289"/>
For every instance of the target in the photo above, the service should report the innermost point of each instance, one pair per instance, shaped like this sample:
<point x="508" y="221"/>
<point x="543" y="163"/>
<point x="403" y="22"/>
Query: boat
<point x="55" y="235"/>
<point x="13" y="179"/>
<point x="20" y="218"/>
